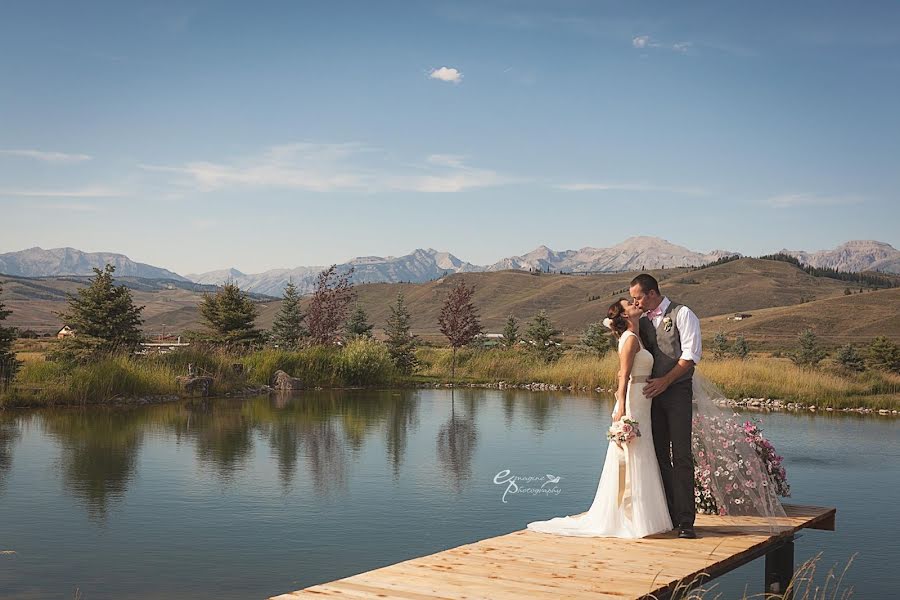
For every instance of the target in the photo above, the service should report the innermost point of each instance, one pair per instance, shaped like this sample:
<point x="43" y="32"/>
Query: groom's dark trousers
<point x="670" y="417"/>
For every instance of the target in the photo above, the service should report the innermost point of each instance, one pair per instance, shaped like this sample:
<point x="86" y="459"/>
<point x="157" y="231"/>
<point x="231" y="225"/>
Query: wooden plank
<point x="530" y="564"/>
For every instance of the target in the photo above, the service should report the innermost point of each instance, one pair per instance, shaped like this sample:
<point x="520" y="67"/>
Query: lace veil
<point x="728" y="463"/>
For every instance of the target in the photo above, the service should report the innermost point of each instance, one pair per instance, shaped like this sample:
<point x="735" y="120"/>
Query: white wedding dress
<point x="630" y="501"/>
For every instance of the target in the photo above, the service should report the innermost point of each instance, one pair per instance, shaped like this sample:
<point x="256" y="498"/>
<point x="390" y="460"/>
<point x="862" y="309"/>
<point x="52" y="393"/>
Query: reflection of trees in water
<point x="539" y="406"/>
<point x="456" y="441"/>
<point x="100" y="445"/>
<point x="402" y="419"/>
<point x="9" y="434"/>
<point x="99" y="450"/>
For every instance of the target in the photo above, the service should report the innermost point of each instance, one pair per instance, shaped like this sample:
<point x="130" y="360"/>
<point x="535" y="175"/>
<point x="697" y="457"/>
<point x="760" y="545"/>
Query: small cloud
<point x="446" y="160"/>
<point x="446" y="74"/>
<point x="52" y="157"/>
<point x="642" y="42"/>
<point x="805" y="199"/>
<point x="71" y="207"/>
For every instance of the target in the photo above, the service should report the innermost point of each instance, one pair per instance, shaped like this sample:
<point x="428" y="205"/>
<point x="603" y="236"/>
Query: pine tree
<point x="329" y="306"/>
<point x="740" y="348"/>
<point x="883" y="354"/>
<point x="401" y="344"/>
<point x="510" y="332"/>
<point x="103" y="316"/>
<point x="288" y="330"/>
<point x="358" y="324"/>
<point x="809" y="354"/>
<point x="459" y="320"/>
<point x="596" y="337"/>
<point x="229" y="316"/>
<point x="8" y="363"/>
<point x="720" y="346"/>
<point x="850" y="358"/>
<point x="544" y="336"/>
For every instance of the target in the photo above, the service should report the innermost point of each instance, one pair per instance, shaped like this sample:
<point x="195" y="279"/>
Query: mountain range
<point x="423" y="265"/>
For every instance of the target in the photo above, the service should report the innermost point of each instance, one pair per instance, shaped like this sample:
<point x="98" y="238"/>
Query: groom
<point x="671" y="331"/>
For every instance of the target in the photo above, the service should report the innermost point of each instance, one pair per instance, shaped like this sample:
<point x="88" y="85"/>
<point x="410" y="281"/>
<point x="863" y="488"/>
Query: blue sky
<point x="203" y="135"/>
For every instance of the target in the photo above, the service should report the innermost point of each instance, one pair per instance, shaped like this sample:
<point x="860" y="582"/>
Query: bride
<point x="630" y="501"/>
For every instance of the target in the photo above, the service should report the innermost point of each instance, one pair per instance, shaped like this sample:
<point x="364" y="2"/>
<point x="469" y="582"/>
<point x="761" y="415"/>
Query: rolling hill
<point x="782" y="299"/>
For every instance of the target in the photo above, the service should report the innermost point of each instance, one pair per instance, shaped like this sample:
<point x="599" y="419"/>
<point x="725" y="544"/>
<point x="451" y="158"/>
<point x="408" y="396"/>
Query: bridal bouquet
<point x="623" y="431"/>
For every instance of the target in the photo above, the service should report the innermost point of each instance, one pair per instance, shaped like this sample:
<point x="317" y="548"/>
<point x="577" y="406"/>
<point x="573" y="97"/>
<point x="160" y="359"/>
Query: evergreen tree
<point x="401" y="344"/>
<point x="103" y="316"/>
<point x="596" y="337"/>
<point x="884" y="355"/>
<point x="8" y="363"/>
<point x="288" y="329"/>
<point x="740" y="348"/>
<point x="720" y="346"/>
<point x="510" y="332"/>
<point x="809" y="354"/>
<point x="459" y="320"/>
<point x="850" y="358"/>
<point x="544" y="336"/>
<point x="329" y="306"/>
<point x="229" y="316"/>
<point x="358" y="324"/>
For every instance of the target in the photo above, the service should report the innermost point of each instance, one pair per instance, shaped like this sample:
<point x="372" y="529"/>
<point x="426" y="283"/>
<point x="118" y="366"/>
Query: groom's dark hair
<point x="647" y="283"/>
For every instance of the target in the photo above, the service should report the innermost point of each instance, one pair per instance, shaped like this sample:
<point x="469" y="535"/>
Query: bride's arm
<point x="630" y="347"/>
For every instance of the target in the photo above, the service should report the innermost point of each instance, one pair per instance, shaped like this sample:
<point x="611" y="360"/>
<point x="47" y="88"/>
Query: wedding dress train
<point x="630" y="501"/>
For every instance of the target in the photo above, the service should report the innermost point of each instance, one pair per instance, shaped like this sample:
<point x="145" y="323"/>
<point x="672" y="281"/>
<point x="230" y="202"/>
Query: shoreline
<point x="761" y="404"/>
<point x="749" y="403"/>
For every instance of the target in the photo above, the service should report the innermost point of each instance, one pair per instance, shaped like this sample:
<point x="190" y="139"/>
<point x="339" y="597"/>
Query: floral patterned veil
<point x="727" y="462"/>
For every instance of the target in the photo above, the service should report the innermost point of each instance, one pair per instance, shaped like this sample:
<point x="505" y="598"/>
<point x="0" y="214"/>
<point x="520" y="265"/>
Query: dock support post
<point x="780" y="569"/>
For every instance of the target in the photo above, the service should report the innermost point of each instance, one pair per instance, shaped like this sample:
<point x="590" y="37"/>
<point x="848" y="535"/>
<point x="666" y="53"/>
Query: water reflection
<point x="9" y="435"/>
<point x="98" y="452"/>
<point x="457" y="438"/>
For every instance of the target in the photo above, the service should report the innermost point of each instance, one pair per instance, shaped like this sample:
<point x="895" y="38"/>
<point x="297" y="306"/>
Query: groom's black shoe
<point x="687" y="532"/>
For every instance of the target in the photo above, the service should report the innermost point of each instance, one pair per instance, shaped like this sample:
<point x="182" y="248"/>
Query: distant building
<point x="65" y="332"/>
<point x="740" y="316"/>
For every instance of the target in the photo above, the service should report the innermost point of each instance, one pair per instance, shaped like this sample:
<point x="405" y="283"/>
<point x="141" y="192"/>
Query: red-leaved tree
<point x="329" y="306"/>
<point x="459" y="319"/>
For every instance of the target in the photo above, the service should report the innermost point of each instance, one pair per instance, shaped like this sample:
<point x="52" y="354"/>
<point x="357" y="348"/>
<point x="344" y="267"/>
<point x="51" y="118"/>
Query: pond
<point x="247" y="498"/>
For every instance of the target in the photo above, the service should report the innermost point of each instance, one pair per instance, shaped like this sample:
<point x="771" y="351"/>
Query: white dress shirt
<point x="688" y="328"/>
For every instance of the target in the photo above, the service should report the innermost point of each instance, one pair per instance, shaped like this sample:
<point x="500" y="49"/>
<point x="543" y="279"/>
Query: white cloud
<point x="333" y="167"/>
<point x="629" y="187"/>
<point x="645" y="41"/>
<point x="446" y="74"/>
<point x="86" y="192"/>
<point x="52" y="157"/>
<point x="640" y="41"/>
<point x="806" y="199"/>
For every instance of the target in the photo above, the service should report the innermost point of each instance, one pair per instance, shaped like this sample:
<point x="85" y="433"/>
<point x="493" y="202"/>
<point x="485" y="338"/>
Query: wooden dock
<point x="529" y="564"/>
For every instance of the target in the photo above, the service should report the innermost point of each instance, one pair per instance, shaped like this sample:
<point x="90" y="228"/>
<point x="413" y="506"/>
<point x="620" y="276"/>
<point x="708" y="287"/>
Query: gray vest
<point x="664" y="345"/>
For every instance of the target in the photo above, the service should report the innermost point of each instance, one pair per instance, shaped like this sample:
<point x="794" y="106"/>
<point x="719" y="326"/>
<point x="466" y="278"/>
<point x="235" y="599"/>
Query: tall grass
<point x="39" y="382"/>
<point x="803" y="586"/>
<point x="756" y="377"/>
<point x="518" y="366"/>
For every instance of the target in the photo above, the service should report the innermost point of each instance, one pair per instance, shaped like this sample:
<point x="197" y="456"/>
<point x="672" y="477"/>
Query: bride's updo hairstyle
<point x="618" y="322"/>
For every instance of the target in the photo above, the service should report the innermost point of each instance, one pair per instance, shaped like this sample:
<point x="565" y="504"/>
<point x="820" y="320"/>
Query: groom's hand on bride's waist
<point x="655" y="386"/>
